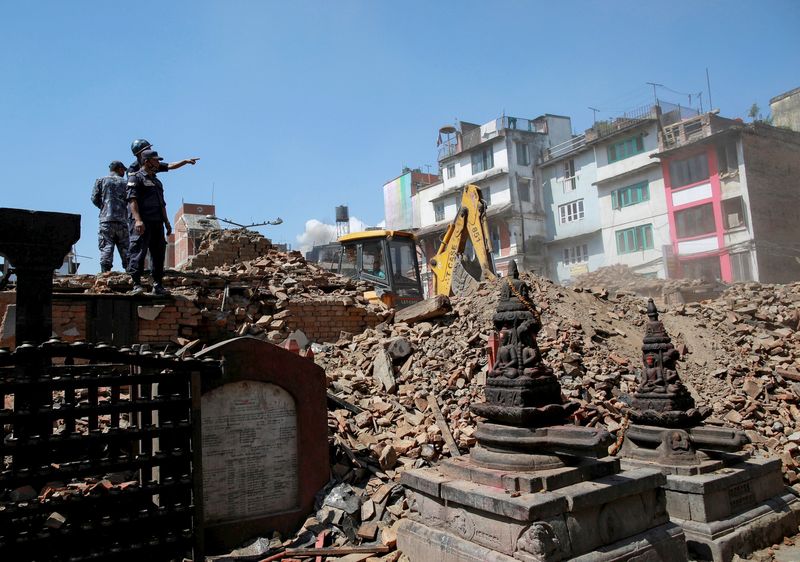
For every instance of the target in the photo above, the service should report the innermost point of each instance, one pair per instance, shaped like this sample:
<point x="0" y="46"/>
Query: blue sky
<point x="296" y="107"/>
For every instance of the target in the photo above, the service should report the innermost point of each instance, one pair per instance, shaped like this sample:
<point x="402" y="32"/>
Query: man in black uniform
<point x="145" y="196"/>
<point x="108" y="195"/>
<point x="140" y="145"/>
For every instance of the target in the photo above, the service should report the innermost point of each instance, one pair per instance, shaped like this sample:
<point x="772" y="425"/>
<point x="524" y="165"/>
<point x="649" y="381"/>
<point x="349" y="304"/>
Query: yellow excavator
<point x="452" y="273"/>
<point x="388" y="258"/>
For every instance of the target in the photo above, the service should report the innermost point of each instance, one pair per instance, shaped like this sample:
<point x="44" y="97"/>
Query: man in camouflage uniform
<point x="108" y="195"/>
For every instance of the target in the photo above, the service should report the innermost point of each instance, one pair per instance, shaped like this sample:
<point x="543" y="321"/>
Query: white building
<point x="574" y="240"/>
<point x="606" y="202"/>
<point x="499" y="157"/>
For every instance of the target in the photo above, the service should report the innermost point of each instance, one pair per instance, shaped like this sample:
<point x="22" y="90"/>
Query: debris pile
<point x="399" y="392"/>
<point x="620" y="277"/>
<point x="405" y="389"/>
<point x="269" y="297"/>
<point x="226" y="247"/>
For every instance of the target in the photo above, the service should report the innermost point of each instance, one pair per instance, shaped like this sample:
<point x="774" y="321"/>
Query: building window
<point x="524" y="190"/>
<point x="482" y="160"/>
<point x="523" y="154"/>
<point x="571" y="212"/>
<point x="576" y="254"/>
<point x="727" y="159"/>
<point x="635" y="239"/>
<point x="625" y="148"/>
<point x="689" y="170"/>
<point x="733" y="213"/>
<point x="740" y="264"/>
<point x="570" y="184"/>
<point x="695" y="221"/>
<point x="438" y="211"/>
<point x="451" y="171"/>
<point x="487" y="195"/>
<point x="630" y="195"/>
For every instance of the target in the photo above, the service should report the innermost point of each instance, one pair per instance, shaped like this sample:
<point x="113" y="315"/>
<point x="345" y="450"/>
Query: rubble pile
<point x="399" y="392"/>
<point x="620" y="277"/>
<point x="225" y="247"/>
<point x="268" y="297"/>
<point x="404" y="390"/>
<point x="617" y="277"/>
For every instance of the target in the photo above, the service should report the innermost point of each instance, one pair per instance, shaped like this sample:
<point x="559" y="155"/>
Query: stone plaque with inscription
<point x="264" y="442"/>
<point x="249" y="451"/>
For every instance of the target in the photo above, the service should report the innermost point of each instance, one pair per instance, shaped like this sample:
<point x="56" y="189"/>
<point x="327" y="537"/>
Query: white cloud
<point x="317" y="233"/>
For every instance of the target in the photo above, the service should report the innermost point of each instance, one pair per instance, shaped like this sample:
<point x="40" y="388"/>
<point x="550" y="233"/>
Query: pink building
<point x="732" y="191"/>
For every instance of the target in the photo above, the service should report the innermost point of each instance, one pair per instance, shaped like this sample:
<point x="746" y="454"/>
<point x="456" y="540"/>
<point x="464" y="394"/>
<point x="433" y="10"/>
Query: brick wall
<point x="323" y="320"/>
<point x="180" y="317"/>
<point x="772" y="167"/>
<point x="69" y="320"/>
<point x="161" y="322"/>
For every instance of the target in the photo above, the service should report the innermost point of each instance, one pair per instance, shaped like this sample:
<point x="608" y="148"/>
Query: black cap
<point x="147" y="154"/>
<point x="115" y="164"/>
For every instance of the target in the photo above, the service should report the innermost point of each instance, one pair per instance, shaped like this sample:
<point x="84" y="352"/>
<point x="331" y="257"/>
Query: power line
<point x="655" y="96"/>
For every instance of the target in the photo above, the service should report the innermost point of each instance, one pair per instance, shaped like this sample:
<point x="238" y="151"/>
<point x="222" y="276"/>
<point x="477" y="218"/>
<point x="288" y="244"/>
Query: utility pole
<point x="594" y="115"/>
<point x="655" y="96"/>
<point x="708" y="83"/>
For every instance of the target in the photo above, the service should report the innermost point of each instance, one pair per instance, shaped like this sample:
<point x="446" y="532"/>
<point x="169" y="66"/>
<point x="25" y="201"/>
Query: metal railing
<point x="80" y="414"/>
<point x="566" y="147"/>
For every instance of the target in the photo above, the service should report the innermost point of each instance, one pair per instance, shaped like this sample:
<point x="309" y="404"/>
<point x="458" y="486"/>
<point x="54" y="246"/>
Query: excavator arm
<point x="470" y="224"/>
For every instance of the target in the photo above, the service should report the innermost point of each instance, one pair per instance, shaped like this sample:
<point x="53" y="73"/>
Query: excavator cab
<point x="388" y="260"/>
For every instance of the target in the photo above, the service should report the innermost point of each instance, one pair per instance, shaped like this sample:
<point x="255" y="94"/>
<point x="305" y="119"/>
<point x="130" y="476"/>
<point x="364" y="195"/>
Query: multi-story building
<point x="499" y="157"/>
<point x="732" y="190"/>
<point x="605" y="198"/>
<point x="630" y="189"/>
<point x="190" y="224"/>
<point x="567" y="174"/>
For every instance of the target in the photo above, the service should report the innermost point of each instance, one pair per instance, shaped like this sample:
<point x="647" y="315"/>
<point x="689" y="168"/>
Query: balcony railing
<point x="448" y="148"/>
<point x="566" y="147"/>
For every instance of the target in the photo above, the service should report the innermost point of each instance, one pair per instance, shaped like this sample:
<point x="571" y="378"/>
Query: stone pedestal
<point x="727" y="505"/>
<point x="584" y="510"/>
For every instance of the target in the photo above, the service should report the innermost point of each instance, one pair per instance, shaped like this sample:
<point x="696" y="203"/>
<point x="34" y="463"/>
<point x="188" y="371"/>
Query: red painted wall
<point x="716" y="205"/>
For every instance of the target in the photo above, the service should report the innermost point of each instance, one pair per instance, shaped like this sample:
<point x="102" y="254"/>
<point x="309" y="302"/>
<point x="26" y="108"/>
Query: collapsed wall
<point x="226" y="247"/>
<point x="268" y="296"/>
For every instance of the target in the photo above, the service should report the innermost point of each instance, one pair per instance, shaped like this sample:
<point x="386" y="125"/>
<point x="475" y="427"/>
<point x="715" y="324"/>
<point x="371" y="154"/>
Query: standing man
<point x="140" y="145"/>
<point x="108" y="195"/>
<point x="145" y="196"/>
